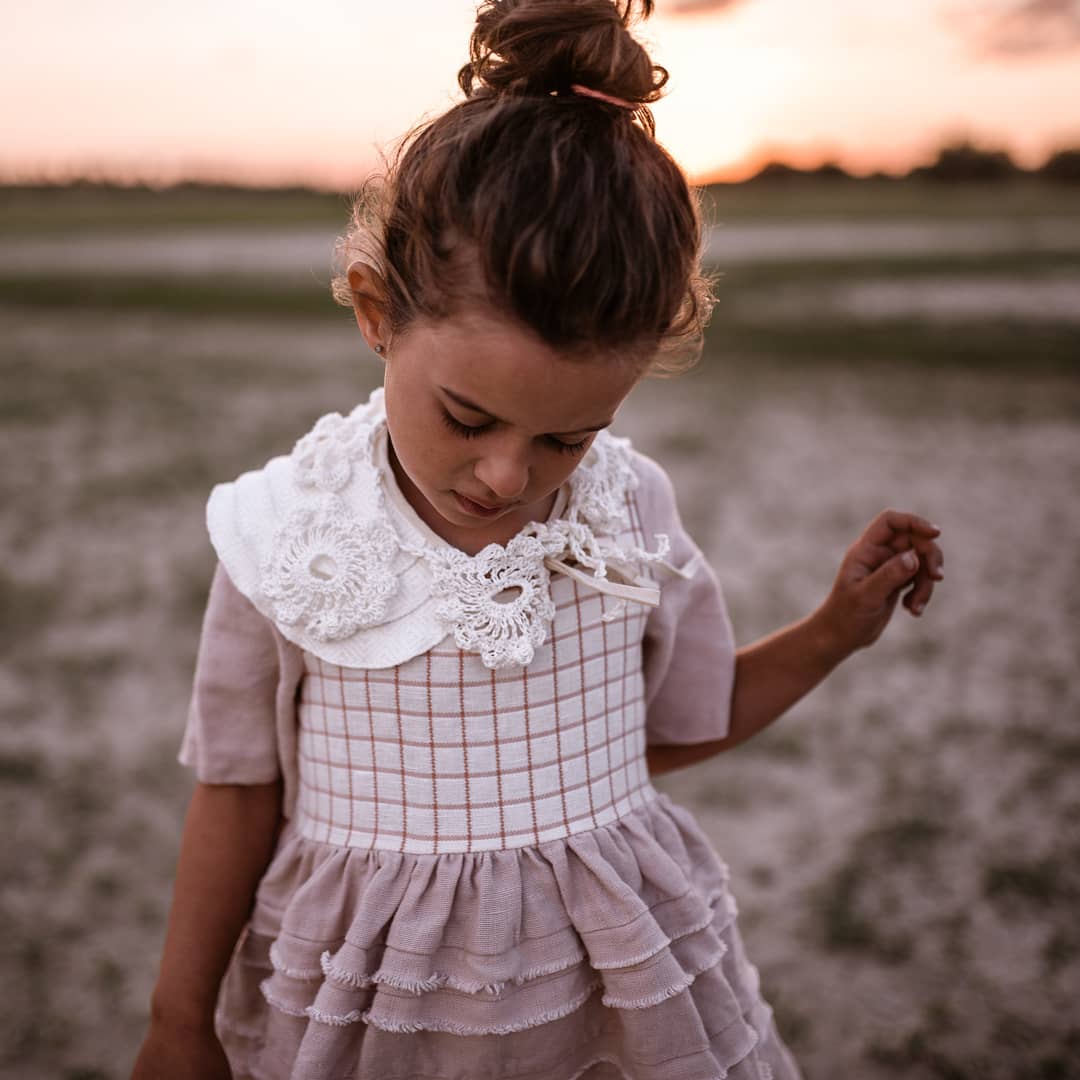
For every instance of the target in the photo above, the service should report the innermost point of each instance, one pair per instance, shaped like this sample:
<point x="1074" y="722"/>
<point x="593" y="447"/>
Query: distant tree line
<point x="956" y="163"/>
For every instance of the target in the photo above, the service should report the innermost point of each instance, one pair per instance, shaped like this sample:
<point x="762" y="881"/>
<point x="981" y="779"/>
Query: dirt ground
<point x="905" y="844"/>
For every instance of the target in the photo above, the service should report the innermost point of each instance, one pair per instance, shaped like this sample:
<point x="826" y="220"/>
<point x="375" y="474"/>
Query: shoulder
<point x="241" y="512"/>
<point x="309" y="541"/>
<point x="652" y="477"/>
<point x="654" y="493"/>
<point x="658" y="510"/>
<point x="613" y="471"/>
<point x="322" y="485"/>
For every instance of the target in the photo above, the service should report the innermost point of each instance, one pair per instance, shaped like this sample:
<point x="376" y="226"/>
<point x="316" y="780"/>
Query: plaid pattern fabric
<point x="442" y="754"/>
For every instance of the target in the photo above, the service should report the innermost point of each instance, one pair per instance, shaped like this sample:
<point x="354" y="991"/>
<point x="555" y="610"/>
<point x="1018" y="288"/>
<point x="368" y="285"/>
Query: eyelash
<point x="467" y="432"/>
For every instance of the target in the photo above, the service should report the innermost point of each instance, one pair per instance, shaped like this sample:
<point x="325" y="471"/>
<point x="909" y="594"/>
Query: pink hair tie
<point x="584" y="91"/>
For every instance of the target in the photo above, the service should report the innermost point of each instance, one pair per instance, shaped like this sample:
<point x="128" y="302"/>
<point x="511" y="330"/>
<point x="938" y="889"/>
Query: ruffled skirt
<point x="612" y="954"/>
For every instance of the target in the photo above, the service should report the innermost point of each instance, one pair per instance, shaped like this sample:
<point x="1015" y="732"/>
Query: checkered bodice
<point x="441" y="753"/>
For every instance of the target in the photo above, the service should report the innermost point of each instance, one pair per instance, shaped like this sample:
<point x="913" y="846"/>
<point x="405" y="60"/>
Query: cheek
<point x="432" y="453"/>
<point x="556" y="470"/>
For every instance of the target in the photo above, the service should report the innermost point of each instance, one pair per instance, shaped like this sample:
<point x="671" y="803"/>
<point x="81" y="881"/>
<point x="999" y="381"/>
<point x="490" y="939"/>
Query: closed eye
<point x="571" y="447"/>
<point x="468" y="431"/>
<point x="464" y="430"/>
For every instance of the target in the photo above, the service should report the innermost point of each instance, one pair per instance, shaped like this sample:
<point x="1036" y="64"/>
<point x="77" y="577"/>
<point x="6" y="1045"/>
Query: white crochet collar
<point x="325" y="544"/>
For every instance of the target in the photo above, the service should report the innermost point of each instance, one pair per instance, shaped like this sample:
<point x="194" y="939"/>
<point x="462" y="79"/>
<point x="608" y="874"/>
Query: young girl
<point x="452" y="634"/>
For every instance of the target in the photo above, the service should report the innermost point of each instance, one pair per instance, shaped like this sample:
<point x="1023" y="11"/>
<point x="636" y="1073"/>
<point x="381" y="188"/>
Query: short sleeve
<point x="231" y="733"/>
<point x="689" y="645"/>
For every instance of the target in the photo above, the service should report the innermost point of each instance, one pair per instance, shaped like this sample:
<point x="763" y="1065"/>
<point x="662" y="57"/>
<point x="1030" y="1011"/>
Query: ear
<point x="369" y="304"/>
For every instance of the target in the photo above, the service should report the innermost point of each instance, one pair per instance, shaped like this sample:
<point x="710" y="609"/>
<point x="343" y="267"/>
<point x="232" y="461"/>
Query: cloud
<point x="1010" y="28"/>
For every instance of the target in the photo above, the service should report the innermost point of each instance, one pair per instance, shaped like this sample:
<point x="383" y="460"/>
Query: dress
<point x="475" y="878"/>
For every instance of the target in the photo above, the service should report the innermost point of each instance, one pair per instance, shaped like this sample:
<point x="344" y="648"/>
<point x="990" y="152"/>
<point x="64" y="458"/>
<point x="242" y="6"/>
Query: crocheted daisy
<point x="330" y="571"/>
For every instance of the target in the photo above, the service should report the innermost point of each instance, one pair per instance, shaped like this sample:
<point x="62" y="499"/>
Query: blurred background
<point x="893" y="199"/>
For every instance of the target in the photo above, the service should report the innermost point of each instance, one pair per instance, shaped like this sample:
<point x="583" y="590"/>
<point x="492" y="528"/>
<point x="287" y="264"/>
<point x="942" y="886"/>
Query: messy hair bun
<point x="549" y="46"/>
<point x="543" y="196"/>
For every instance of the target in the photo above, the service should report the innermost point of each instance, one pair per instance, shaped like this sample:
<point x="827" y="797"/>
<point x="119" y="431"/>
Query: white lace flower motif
<point x="330" y="571"/>
<point x="600" y="483"/>
<point x="498" y="601"/>
<point x="324" y="457"/>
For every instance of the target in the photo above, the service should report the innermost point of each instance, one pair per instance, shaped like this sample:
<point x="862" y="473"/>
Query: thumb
<point x="892" y="575"/>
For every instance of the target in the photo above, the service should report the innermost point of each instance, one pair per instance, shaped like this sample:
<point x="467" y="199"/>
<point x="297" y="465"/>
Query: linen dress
<point x="474" y="878"/>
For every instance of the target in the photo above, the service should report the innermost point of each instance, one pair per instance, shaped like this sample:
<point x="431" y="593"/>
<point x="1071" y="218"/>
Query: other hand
<point x="897" y="551"/>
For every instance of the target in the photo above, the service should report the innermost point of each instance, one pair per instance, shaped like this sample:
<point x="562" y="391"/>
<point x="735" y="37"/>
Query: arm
<point x="897" y="551"/>
<point x="770" y="676"/>
<point x="229" y="836"/>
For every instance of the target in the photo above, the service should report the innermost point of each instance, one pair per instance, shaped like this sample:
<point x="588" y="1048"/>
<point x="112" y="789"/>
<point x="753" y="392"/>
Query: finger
<point x="901" y="541"/>
<point x="918" y="596"/>
<point x="884" y="583"/>
<point x="930" y="554"/>
<point x="892" y="523"/>
<point x="932" y="558"/>
<point x="868" y="557"/>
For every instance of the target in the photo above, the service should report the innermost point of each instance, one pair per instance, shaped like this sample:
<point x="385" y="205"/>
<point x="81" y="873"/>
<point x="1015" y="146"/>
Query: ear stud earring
<point x="379" y="349"/>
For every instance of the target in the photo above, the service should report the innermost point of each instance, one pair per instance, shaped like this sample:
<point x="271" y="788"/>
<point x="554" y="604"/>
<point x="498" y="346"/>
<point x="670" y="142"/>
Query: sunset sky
<point x="275" y="92"/>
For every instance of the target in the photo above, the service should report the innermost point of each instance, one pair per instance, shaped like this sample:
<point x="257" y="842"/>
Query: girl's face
<point x="486" y="422"/>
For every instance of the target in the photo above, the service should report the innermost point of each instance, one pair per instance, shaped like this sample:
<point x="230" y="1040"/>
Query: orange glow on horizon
<point x="284" y="97"/>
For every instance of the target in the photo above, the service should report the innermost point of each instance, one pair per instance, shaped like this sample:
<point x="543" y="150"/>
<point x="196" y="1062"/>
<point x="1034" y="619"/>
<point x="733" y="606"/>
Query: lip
<point x="478" y="509"/>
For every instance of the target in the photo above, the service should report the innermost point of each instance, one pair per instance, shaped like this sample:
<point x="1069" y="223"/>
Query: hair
<point x="555" y="208"/>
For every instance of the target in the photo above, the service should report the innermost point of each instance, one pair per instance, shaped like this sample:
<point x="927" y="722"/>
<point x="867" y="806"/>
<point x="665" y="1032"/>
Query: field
<point x="905" y="844"/>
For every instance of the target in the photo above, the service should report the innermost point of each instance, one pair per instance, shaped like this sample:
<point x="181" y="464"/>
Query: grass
<point x="876" y="866"/>
<point x="164" y="481"/>
<point x="916" y="1049"/>
<point x="887" y="200"/>
<point x="990" y="343"/>
<point x="744" y="324"/>
<point x="908" y="840"/>
<point x="842" y="924"/>
<point x="860" y="905"/>
<point x="181" y="296"/>
<point x="1038" y="882"/>
<point x="28" y="608"/>
<point x="987" y="342"/>
<point x="43" y="211"/>
<point x="26" y="768"/>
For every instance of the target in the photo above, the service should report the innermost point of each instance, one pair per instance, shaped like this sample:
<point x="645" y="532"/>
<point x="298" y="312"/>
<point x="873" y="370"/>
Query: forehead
<point x="513" y="375"/>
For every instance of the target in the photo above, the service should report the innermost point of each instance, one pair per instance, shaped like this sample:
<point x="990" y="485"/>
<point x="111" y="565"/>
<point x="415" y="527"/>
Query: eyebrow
<point x="467" y="404"/>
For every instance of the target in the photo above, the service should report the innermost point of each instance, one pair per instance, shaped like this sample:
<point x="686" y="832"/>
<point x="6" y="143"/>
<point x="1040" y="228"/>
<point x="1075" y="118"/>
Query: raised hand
<point x="897" y="551"/>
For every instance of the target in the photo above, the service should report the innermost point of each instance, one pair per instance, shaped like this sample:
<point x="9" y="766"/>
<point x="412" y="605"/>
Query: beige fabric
<point x="476" y="879"/>
<point x="241" y="721"/>
<point x="618" y="945"/>
<point x="241" y="725"/>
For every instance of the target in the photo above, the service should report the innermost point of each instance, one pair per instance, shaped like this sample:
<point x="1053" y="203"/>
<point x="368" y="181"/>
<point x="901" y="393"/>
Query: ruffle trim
<point x="438" y="980"/>
<point x="347" y="979"/>
<point x="496" y="943"/>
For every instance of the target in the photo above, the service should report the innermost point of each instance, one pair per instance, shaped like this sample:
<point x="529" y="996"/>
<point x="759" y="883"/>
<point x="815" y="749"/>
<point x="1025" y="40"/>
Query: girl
<point x="453" y="633"/>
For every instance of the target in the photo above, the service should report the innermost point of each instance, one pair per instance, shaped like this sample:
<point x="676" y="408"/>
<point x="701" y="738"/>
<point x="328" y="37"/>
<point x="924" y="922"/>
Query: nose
<point x="504" y="471"/>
